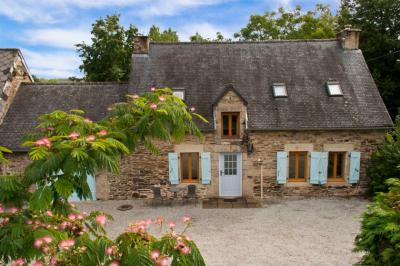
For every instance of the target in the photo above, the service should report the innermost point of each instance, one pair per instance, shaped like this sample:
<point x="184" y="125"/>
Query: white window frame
<point x="334" y="83"/>
<point x="274" y="87"/>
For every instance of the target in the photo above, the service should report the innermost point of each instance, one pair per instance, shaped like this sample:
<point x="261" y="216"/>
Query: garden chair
<point x="191" y="195"/>
<point x="157" y="197"/>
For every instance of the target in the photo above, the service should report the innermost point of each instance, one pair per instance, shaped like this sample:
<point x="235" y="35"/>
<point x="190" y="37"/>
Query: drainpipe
<point x="261" y="178"/>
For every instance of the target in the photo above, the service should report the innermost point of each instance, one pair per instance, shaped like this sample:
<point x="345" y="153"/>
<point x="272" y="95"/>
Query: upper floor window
<point x="230" y="125"/>
<point x="190" y="167"/>
<point x="334" y="88"/>
<point x="298" y="166"/>
<point x="279" y="90"/>
<point x="180" y="93"/>
<point x="336" y="166"/>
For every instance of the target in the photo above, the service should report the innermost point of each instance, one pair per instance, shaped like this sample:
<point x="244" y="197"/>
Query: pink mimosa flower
<point x="45" y="250"/>
<point x="188" y="238"/>
<point x="29" y="222"/>
<point x="103" y="132"/>
<point x="66" y="244"/>
<point x="53" y="261"/>
<point x="153" y="89"/>
<point x="79" y="216"/>
<point x="192" y="109"/>
<point x="135" y="96"/>
<point x="74" y="135"/>
<point x="109" y="109"/>
<point x="88" y="120"/>
<point x="159" y="220"/>
<point x="161" y="98"/>
<point x="109" y="251"/>
<point x="186" y="219"/>
<point x="185" y="250"/>
<point x="71" y="216"/>
<point x="155" y="254"/>
<point x="114" y="263"/>
<point x="18" y="262"/>
<point x="38" y="243"/>
<point x="12" y="210"/>
<point x="49" y="213"/>
<point x="148" y="221"/>
<point x="153" y="106"/>
<point x="90" y="138"/>
<point x="50" y="128"/>
<point x="43" y="142"/>
<point x="171" y="225"/>
<point x="1" y="209"/>
<point x="37" y="263"/>
<point x="101" y="219"/>
<point x="40" y="142"/>
<point x="47" y="239"/>
<point x="165" y="261"/>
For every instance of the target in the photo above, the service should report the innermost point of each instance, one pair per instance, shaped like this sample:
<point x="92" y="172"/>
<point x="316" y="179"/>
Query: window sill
<point x="297" y="184"/>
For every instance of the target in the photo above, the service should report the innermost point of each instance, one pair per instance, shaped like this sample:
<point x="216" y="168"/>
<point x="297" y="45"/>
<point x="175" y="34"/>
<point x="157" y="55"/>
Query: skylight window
<point x="279" y="90"/>
<point x="180" y="93"/>
<point x="334" y="88"/>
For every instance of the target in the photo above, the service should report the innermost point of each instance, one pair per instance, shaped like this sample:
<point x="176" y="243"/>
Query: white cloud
<point x="53" y="11"/>
<point x="56" y="37"/>
<point x="52" y="64"/>
<point x="205" y="29"/>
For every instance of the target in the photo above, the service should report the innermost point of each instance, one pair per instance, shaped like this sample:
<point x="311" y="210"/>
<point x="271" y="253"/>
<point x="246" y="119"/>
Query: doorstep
<point x="235" y="203"/>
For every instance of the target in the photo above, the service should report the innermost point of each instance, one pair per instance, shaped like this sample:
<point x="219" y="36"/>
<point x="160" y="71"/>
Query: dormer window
<point x="180" y="93"/>
<point x="230" y="125"/>
<point x="334" y="88"/>
<point x="279" y="90"/>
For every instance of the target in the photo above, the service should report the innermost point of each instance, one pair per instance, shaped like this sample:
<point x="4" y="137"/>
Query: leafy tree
<point x="385" y="162"/>
<point x="167" y="35"/>
<point x="65" y="149"/>
<point x="219" y="38"/>
<point x="380" y="228"/>
<point x="380" y="43"/>
<point x="315" y="24"/>
<point x="108" y="58"/>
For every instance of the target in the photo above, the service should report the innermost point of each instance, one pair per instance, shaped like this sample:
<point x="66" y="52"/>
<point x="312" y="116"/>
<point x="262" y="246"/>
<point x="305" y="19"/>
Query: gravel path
<point x="291" y="232"/>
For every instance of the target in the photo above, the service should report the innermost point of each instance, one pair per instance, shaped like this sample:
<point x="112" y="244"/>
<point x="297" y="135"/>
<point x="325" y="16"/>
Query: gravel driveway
<point x="291" y="232"/>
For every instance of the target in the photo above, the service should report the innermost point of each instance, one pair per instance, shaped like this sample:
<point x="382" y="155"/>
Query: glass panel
<point x="234" y="125"/>
<point x="339" y="166"/>
<point x="195" y="165"/>
<point x="334" y="89"/>
<point x="225" y="121"/>
<point x="280" y="90"/>
<point x="185" y="165"/>
<point x="330" y="164"/>
<point x="292" y="165"/>
<point x="179" y="94"/>
<point x="301" y="165"/>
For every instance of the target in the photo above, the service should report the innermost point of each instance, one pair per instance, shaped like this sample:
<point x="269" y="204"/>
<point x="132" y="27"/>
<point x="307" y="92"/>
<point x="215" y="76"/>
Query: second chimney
<point x="349" y="37"/>
<point x="141" y="45"/>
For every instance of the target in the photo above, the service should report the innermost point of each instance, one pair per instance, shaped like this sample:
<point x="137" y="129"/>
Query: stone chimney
<point x="349" y="37"/>
<point x="141" y="45"/>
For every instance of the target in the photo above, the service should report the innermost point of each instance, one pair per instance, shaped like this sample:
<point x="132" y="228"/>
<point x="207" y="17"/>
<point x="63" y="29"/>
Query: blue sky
<point x="46" y="30"/>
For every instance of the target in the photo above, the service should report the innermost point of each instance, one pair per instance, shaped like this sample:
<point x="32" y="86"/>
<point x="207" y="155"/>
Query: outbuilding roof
<point x="251" y="68"/>
<point x="35" y="99"/>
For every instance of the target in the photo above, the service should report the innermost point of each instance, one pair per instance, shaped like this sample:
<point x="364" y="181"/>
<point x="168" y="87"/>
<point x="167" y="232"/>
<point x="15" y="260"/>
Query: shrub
<point x="380" y="228"/>
<point x="385" y="162"/>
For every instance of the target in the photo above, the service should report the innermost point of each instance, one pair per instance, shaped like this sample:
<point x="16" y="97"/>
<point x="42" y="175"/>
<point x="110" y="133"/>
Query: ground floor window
<point x="298" y="166"/>
<point x="190" y="167"/>
<point x="336" y="166"/>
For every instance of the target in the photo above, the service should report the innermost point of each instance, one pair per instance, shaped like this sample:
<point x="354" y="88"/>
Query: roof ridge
<point x="8" y="49"/>
<point x="248" y="42"/>
<point x="76" y="83"/>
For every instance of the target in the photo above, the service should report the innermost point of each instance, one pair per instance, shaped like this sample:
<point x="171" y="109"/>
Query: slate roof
<point x="7" y="58"/>
<point x="34" y="99"/>
<point x="205" y="69"/>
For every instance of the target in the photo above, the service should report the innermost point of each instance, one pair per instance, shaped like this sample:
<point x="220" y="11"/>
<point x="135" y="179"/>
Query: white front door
<point x="230" y="174"/>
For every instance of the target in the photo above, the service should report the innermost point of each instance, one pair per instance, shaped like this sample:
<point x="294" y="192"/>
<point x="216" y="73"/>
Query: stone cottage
<point x="297" y="117"/>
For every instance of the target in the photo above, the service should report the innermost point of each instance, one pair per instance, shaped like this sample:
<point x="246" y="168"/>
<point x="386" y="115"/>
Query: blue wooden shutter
<point x="354" y="175"/>
<point x="281" y="167"/>
<point x="323" y="177"/>
<point x="315" y="167"/>
<point x="173" y="168"/>
<point x="205" y="168"/>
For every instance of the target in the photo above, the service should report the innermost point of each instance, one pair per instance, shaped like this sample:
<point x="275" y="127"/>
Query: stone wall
<point x="19" y="74"/>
